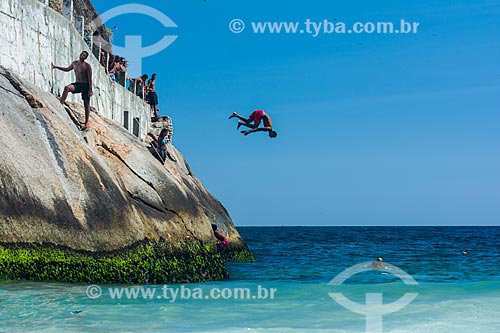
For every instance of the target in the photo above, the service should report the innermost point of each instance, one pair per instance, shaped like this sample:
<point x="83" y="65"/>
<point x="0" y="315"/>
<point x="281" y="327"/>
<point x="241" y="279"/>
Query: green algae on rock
<point x="143" y="263"/>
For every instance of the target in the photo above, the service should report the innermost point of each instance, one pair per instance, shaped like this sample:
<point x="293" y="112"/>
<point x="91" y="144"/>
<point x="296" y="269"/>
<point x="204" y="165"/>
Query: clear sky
<point x="373" y="129"/>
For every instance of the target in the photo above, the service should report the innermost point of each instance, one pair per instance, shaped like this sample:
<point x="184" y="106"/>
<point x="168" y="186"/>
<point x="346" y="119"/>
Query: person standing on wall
<point x="152" y="97"/>
<point x="83" y="84"/>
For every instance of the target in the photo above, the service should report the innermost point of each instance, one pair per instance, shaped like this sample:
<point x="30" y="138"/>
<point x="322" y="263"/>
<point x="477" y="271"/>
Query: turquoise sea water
<point x="456" y="292"/>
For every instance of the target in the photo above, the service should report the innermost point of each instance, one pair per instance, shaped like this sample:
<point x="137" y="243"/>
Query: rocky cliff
<point x="86" y="9"/>
<point x="97" y="206"/>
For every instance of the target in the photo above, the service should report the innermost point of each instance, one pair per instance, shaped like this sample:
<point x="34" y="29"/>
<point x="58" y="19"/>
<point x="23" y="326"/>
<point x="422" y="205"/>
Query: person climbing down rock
<point x="83" y="83"/>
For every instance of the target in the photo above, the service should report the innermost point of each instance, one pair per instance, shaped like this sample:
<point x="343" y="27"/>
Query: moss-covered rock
<point x="144" y="263"/>
<point x="235" y="253"/>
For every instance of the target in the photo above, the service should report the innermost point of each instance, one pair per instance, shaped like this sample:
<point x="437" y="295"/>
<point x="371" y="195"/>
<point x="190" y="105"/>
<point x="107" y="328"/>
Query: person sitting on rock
<point x="256" y="117"/>
<point x="222" y="242"/>
<point x="162" y="144"/>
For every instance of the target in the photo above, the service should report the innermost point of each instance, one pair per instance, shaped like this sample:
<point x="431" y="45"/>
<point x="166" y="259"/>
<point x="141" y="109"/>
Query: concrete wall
<point x="34" y="35"/>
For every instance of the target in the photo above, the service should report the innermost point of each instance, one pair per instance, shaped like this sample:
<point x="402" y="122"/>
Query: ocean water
<point x="288" y="288"/>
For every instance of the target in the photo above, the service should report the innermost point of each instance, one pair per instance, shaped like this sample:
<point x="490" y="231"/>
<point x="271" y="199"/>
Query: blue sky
<point x="400" y="129"/>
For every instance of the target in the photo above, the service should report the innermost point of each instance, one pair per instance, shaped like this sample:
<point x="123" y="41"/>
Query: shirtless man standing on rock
<point x="83" y="84"/>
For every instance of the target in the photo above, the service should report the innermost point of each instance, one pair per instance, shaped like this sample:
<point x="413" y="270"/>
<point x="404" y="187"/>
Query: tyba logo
<point x="133" y="50"/>
<point x="374" y="308"/>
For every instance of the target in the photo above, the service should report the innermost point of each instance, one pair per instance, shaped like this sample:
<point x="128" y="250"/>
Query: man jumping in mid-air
<point x="256" y="117"/>
<point x="83" y="84"/>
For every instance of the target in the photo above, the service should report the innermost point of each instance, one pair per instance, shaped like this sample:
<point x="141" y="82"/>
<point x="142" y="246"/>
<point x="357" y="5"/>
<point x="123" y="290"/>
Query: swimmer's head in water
<point x="379" y="259"/>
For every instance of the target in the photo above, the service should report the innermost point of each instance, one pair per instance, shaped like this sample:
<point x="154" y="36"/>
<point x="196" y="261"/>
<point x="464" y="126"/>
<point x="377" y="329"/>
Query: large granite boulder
<point x="99" y="194"/>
